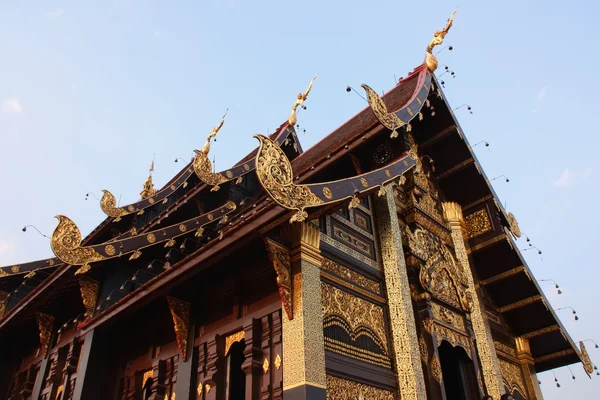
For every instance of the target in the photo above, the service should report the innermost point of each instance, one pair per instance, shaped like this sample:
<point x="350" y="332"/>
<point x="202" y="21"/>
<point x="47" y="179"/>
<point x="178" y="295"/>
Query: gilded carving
<point x="588" y="366"/>
<point x="355" y="311"/>
<point x="409" y="371"/>
<point x="448" y="316"/>
<point x="275" y="174"/>
<point x="277" y="361"/>
<point x="233" y="338"/>
<point x="347" y="273"/>
<point x="342" y="389"/>
<point x="265" y="366"/>
<point x="423" y="349"/>
<point x="303" y="342"/>
<point x="180" y="311"/>
<point x="147" y="375"/>
<point x="483" y="336"/>
<point x="202" y="165"/>
<point x="477" y="223"/>
<point x="505" y="348"/>
<point x="89" y="294"/>
<point x="108" y="204"/>
<point x="440" y="275"/>
<point x="453" y="337"/>
<point x="66" y="244"/>
<point x="438" y="38"/>
<point x="436" y="369"/>
<point x="45" y="325"/>
<point x="512" y="376"/>
<point x="513" y="225"/>
<point x="390" y="120"/>
<point x="300" y="101"/>
<point x="280" y="257"/>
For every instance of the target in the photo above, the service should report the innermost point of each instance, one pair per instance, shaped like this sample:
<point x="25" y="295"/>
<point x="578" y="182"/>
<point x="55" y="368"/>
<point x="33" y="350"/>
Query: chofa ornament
<point x="438" y="38"/>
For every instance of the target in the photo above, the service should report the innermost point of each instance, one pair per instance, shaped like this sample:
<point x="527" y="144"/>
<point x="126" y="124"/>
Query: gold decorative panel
<point x="407" y="358"/>
<point x="342" y="389"/>
<point x="448" y="316"/>
<point x="347" y="273"/>
<point x="512" y="376"/>
<point x="505" y="348"/>
<point x="233" y="338"/>
<point x="478" y="223"/>
<point x="355" y="311"/>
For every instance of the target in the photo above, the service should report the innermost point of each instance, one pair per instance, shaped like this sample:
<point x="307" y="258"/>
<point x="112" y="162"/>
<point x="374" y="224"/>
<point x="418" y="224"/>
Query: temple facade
<point x="378" y="264"/>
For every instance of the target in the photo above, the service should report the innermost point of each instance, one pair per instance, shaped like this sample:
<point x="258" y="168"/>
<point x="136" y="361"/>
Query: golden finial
<point x="148" y="190"/>
<point x="213" y="133"/>
<point x="299" y="101"/>
<point x="438" y="38"/>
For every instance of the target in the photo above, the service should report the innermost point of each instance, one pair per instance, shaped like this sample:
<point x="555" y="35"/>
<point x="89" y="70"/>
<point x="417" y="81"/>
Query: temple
<point x="378" y="264"/>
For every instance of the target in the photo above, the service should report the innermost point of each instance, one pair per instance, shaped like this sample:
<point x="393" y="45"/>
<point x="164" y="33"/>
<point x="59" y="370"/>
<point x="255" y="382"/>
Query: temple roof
<point x="512" y="290"/>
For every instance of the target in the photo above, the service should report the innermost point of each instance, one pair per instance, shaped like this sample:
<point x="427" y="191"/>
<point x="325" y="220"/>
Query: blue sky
<point x="90" y="91"/>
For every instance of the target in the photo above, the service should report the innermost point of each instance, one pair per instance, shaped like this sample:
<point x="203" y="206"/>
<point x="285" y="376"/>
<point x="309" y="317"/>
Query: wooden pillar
<point x="428" y="349"/>
<point x="303" y="346"/>
<point x="266" y="343"/>
<point x="409" y="371"/>
<point x="252" y="365"/>
<point x="492" y="376"/>
<point x="527" y="366"/>
<point x="84" y="366"/>
<point x="183" y="386"/>
<point x="39" y="381"/>
<point x="210" y="379"/>
<point x="276" y="356"/>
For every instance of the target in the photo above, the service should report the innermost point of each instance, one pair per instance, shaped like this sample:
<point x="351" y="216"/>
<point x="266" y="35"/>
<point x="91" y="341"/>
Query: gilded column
<point x="303" y="347"/>
<point x="527" y="366"/>
<point x="411" y="382"/>
<point x="492" y="377"/>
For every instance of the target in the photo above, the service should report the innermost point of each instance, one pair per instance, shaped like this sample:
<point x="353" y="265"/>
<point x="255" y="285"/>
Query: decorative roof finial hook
<point x="438" y="38"/>
<point x="148" y="189"/>
<point x="213" y="133"/>
<point x="300" y="101"/>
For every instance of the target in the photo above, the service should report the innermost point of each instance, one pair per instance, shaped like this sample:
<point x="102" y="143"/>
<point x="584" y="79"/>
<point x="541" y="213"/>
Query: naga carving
<point x="280" y="257"/>
<point x="275" y="174"/>
<point x="180" y="311"/>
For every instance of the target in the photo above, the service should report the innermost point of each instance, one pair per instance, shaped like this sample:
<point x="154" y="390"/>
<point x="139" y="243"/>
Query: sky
<point x="91" y="92"/>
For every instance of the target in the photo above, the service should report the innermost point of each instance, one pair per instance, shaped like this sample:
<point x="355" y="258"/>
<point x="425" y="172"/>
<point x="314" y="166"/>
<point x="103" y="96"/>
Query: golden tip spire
<point x="300" y="101"/>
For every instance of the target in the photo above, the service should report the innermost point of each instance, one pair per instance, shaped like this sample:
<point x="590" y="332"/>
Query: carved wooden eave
<point x="45" y="326"/>
<point x="280" y="257"/>
<point x="66" y="239"/>
<point x="180" y="311"/>
<point x="25" y="268"/>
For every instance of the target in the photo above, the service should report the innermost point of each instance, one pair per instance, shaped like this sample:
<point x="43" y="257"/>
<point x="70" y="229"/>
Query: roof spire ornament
<point x="438" y="38"/>
<point x="148" y="190"/>
<point x="212" y="134"/>
<point x="300" y="101"/>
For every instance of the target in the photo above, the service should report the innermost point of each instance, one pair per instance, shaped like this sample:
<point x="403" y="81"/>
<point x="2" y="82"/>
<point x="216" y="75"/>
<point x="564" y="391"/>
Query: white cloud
<point x="158" y="33"/>
<point x="7" y="251"/>
<point x="12" y="106"/>
<point x="563" y="180"/>
<point x="55" y="14"/>
<point x="542" y="93"/>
